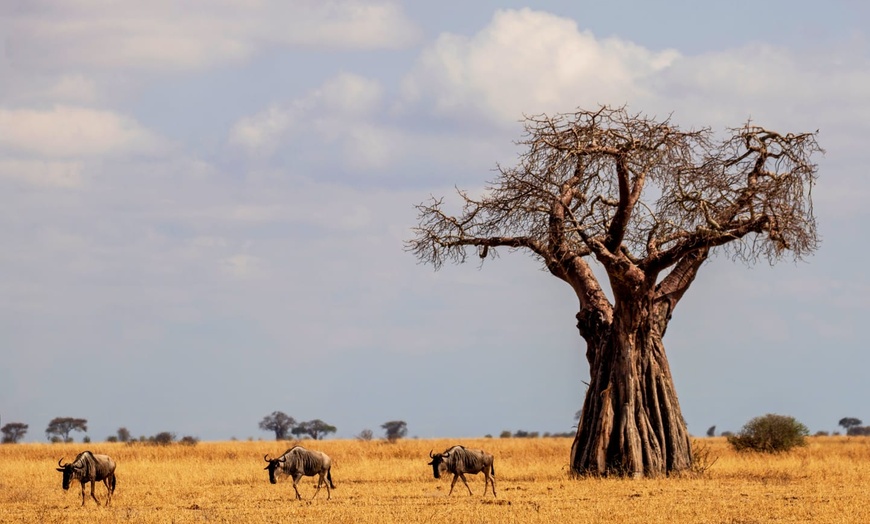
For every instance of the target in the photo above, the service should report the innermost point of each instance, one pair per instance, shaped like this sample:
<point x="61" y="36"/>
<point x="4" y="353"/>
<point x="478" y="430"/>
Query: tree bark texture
<point x="631" y="423"/>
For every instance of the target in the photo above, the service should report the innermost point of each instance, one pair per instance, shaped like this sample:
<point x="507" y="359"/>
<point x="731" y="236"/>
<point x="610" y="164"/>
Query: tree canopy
<point x="279" y="422"/>
<point x="395" y="429"/>
<point x="61" y="427"/>
<point x="315" y="429"/>
<point x="630" y="190"/>
<point x="849" y="422"/>
<point x="13" y="432"/>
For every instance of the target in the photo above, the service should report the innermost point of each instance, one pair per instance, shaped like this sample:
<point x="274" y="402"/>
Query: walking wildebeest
<point x="298" y="461"/>
<point x="88" y="467"/>
<point x="459" y="461"/>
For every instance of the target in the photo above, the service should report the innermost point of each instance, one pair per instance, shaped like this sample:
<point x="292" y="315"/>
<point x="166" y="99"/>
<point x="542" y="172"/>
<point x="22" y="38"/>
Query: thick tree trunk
<point x="631" y="424"/>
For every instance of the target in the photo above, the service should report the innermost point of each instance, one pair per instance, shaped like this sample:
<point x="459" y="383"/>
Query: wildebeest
<point x="88" y="467"/>
<point x="459" y="461"/>
<point x="298" y="461"/>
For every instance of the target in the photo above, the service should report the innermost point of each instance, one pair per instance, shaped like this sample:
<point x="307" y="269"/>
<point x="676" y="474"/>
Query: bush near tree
<point x="770" y="434"/>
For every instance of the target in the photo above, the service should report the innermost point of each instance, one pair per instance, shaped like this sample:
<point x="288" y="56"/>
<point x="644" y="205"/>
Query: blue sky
<point x="203" y="208"/>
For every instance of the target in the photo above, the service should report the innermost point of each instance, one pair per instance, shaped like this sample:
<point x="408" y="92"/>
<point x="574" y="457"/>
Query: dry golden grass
<point x="376" y="482"/>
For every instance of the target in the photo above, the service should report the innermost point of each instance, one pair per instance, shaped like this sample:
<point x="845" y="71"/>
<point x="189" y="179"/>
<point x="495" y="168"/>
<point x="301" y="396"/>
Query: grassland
<point x="828" y="482"/>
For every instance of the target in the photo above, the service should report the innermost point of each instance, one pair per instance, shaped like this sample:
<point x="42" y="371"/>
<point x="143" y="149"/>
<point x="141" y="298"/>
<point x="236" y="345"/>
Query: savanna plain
<point x="827" y="481"/>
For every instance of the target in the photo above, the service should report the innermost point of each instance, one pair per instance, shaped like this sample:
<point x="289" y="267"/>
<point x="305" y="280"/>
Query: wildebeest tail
<point x="329" y="478"/>
<point x="114" y="482"/>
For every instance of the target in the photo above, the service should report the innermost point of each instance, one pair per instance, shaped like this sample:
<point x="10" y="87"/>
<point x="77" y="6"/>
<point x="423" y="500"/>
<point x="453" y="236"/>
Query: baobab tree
<point x="649" y="203"/>
<point x="279" y="422"/>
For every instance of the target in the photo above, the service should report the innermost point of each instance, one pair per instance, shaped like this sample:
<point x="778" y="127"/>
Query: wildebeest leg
<point x="455" y="476"/>
<point x="108" y="490"/>
<point x="322" y="480"/>
<point x="83" y="492"/>
<point x="319" y="481"/>
<point x="93" y="492"/>
<point x="462" y="475"/>
<point x="492" y="483"/>
<point x="296" y="481"/>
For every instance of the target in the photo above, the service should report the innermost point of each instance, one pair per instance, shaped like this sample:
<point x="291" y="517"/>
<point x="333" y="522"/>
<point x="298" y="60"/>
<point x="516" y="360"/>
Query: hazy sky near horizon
<point x="203" y="207"/>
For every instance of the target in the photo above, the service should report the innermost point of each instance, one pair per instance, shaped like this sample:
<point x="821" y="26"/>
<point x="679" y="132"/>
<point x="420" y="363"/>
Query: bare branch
<point x="638" y="194"/>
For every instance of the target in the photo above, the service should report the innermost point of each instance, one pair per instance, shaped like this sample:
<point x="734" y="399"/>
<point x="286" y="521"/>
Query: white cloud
<point x="73" y="132"/>
<point x="242" y="266"/>
<point x="334" y="111"/>
<point x="350" y="95"/>
<point x="260" y="133"/>
<point x="73" y="88"/>
<point x="529" y="62"/>
<point x="165" y="34"/>
<point x="43" y="173"/>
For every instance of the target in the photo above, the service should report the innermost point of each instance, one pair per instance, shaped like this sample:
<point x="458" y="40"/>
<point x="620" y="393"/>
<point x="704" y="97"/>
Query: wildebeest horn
<point x="266" y="457"/>
<point x="431" y="456"/>
<point x="58" y="462"/>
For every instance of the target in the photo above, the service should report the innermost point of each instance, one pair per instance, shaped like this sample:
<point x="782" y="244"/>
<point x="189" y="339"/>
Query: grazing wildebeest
<point x="88" y="467"/>
<point x="298" y="461"/>
<point x="459" y="461"/>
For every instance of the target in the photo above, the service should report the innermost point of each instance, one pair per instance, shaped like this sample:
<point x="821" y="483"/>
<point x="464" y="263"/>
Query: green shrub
<point x="770" y="434"/>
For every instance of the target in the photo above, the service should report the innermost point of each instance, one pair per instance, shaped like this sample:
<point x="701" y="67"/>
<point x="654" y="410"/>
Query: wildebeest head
<point x="438" y="463"/>
<point x="274" y="464"/>
<point x="68" y="470"/>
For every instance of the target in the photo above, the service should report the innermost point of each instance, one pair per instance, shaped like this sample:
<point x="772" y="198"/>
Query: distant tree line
<point x="164" y="438"/>
<point x="521" y="433"/>
<point x="283" y="425"/>
<point x="59" y="429"/>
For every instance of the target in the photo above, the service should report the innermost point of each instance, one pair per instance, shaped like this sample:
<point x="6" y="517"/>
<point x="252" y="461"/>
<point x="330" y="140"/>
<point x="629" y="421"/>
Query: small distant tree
<point x="87" y="439"/>
<point x="164" y="438"/>
<point x="187" y="440"/>
<point x="279" y="422"/>
<point x="849" y="422"/>
<point x="505" y="434"/>
<point x="858" y="431"/>
<point x="770" y="434"/>
<point x="711" y="431"/>
<point x="13" y="432"/>
<point x="315" y="429"/>
<point x="395" y="429"/>
<point x="61" y="427"/>
<point x="124" y="434"/>
<point x="112" y="438"/>
<point x="365" y="435"/>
